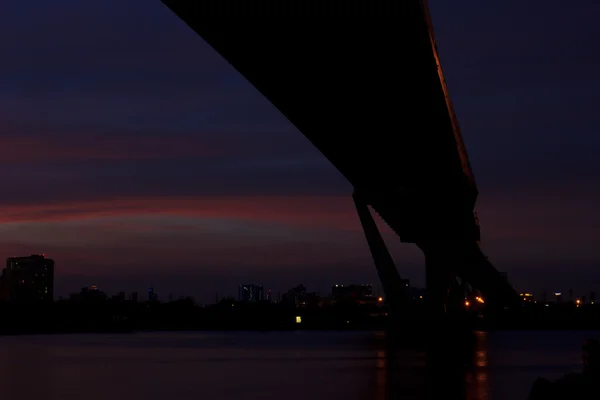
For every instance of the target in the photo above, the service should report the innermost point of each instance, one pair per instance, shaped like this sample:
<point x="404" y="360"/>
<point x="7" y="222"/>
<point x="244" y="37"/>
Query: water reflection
<point x="294" y="365"/>
<point x="459" y="371"/>
<point x="476" y="377"/>
<point x="380" y="380"/>
<point x="22" y="365"/>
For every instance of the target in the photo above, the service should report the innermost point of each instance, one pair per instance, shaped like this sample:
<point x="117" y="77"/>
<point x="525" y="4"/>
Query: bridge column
<point x="445" y="296"/>
<point x="438" y="283"/>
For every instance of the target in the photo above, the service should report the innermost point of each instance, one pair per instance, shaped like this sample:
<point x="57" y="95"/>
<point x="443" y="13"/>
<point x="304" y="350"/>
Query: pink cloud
<point x="332" y="212"/>
<point x="517" y="217"/>
<point x="99" y="237"/>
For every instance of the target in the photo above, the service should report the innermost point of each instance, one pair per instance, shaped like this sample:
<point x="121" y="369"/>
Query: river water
<point x="253" y="365"/>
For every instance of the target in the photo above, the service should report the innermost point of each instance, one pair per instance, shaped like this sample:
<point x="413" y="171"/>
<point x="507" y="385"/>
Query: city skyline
<point x="40" y="282"/>
<point x="124" y="173"/>
<point x="273" y="293"/>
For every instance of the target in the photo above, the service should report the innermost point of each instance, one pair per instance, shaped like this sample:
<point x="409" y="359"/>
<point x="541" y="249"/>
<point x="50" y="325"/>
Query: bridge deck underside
<point x="360" y="80"/>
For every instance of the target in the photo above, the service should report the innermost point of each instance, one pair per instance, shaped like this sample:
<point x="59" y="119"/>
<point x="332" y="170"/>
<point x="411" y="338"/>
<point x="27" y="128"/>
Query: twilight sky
<point x="135" y="156"/>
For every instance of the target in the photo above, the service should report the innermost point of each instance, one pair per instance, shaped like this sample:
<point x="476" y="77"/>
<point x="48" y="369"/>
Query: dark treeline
<point x="110" y="315"/>
<point x="548" y="316"/>
<point x="123" y="316"/>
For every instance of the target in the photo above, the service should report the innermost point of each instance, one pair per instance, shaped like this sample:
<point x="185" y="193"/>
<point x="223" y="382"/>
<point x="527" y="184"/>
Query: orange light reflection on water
<point x="404" y="373"/>
<point x="477" y="384"/>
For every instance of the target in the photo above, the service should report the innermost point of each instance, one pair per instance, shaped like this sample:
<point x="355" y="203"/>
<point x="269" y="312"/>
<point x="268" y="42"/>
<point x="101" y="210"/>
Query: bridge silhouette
<point x="362" y="80"/>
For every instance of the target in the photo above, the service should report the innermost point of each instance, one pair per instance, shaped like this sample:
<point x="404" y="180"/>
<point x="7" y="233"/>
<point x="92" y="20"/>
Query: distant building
<point x="351" y="292"/>
<point x="89" y="295"/>
<point x="28" y="279"/>
<point x="251" y="293"/>
<point x="527" y="297"/>
<point x="120" y="297"/>
<point x="417" y="293"/>
<point x="297" y="296"/>
<point x="152" y="296"/>
<point x="134" y="297"/>
<point x="558" y="296"/>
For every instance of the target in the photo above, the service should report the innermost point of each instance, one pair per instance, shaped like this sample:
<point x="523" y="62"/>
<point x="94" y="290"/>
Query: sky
<point x="135" y="156"/>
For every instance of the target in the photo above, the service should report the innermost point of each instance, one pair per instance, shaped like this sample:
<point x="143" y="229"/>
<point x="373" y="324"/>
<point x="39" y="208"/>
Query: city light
<point x="467" y="304"/>
<point x="479" y="300"/>
<point x="380" y="299"/>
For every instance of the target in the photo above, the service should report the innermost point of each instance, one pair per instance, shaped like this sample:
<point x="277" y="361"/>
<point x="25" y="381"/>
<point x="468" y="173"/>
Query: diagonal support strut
<point x="394" y="286"/>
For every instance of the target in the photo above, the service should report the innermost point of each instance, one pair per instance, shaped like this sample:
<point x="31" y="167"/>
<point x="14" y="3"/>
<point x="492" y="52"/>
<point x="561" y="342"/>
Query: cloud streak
<point x="211" y="235"/>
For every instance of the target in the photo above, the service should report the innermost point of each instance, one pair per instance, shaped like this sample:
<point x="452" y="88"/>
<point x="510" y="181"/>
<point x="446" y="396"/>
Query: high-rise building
<point x="28" y="279"/>
<point x="251" y="293"/>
